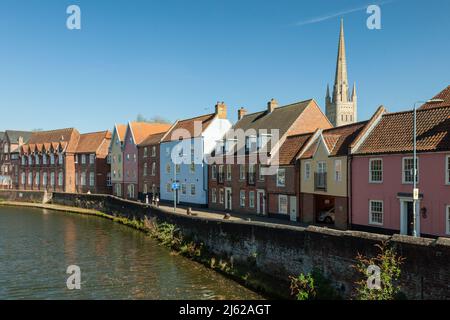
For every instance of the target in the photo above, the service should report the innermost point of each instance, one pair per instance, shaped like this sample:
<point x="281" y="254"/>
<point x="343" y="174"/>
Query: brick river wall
<point x="280" y="251"/>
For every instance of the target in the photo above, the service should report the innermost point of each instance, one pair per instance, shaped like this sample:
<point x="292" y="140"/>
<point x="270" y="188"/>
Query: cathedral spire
<point x="340" y="92"/>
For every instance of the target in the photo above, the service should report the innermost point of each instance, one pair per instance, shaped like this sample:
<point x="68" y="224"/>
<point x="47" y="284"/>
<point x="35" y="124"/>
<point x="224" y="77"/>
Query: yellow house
<point x="324" y="175"/>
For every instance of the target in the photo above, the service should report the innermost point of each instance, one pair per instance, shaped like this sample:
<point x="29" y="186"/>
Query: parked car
<point x="326" y="216"/>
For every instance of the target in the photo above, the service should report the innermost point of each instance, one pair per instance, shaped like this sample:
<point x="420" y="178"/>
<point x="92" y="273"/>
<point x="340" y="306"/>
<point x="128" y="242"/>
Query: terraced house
<point x="253" y="169"/>
<point x="149" y="166"/>
<point x="184" y="153"/>
<point x="92" y="163"/>
<point x="382" y="174"/>
<point x="10" y="142"/>
<point x="135" y="134"/>
<point x="116" y="156"/>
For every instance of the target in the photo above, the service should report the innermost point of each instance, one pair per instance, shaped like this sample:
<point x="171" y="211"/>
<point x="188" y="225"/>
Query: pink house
<point x="382" y="174"/>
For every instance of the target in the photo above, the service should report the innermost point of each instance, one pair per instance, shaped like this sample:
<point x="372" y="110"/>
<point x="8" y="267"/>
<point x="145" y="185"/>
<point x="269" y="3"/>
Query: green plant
<point x="388" y="263"/>
<point x="313" y="286"/>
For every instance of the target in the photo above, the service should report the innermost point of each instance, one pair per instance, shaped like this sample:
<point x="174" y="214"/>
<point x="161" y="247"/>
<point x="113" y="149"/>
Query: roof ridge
<point x="417" y="110"/>
<point x="204" y="115"/>
<point x="277" y="108"/>
<point x="347" y="125"/>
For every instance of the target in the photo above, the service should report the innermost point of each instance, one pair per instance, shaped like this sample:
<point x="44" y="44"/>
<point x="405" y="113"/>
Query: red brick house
<point x="149" y="166"/>
<point x="10" y="141"/>
<point x="240" y="185"/>
<point x="49" y="160"/>
<point x="92" y="166"/>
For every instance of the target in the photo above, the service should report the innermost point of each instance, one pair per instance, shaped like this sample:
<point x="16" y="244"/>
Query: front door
<point x="228" y="199"/>
<point x="260" y="203"/>
<point x="293" y="208"/>
<point x="409" y="218"/>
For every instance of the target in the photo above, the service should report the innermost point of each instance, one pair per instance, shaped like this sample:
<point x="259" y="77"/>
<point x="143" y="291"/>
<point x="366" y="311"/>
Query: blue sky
<point x="175" y="59"/>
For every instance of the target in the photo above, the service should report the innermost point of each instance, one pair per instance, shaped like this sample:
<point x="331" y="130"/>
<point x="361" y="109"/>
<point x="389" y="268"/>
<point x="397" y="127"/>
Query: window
<point x="242" y="198"/>
<point x="260" y="174"/>
<point x="52" y="179"/>
<point x="251" y="173"/>
<point x="153" y="169"/>
<point x="30" y="160"/>
<point x="52" y="158"/>
<point x="213" y="196"/>
<point x="281" y="177"/>
<point x="282" y="204"/>
<point x="376" y="212"/>
<point x="447" y="219"/>
<point x="44" y="159"/>
<point x="183" y="188"/>
<point x="92" y="158"/>
<point x="145" y="152"/>
<point x="221" y="173"/>
<point x="83" y="159"/>
<point x="168" y="168"/>
<point x="23" y="160"/>
<point x="145" y="188"/>
<point x="108" y="159"/>
<point x="213" y="172"/>
<point x="337" y="170"/>
<point x="30" y="178"/>
<point x="154" y="151"/>
<point x="221" y="196"/>
<point x="44" y="179"/>
<point x="242" y="172"/>
<point x="36" y="159"/>
<point x="447" y="165"/>
<point x="83" y="178"/>
<point x="192" y="189"/>
<point x="60" y="179"/>
<point x="307" y="170"/>
<point x="60" y="158"/>
<point x="375" y="170"/>
<point x="37" y="178"/>
<point x="408" y="170"/>
<point x="23" y="178"/>
<point x="192" y="167"/>
<point x="178" y="168"/>
<point x="251" y="199"/>
<point x="145" y="169"/>
<point x="228" y="172"/>
<point x="135" y="159"/>
<point x="91" y="179"/>
<point x="108" y="179"/>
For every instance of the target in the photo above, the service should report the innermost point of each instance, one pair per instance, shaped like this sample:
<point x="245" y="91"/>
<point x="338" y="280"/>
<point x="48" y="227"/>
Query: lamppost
<point x="415" y="189"/>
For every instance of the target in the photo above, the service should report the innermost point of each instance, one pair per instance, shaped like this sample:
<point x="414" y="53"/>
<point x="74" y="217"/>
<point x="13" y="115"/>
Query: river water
<point x="116" y="262"/>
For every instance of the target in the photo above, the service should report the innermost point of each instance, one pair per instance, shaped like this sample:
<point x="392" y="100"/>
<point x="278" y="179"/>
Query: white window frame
<point x="337" y="173"/>
<point x="307" y="170"/>
<point x="221" y="196"/>
<point x="229" y="174"/>
<point x="251" y="199"/>
<point x="278" y="175"/>
<point x="153" y="151"/>
<point x="213" y="172"/>
<point x="375" y="223"/>
<point x="447" y="170"/>
<point x="260" y="176"/>
<point x="370" y="170"/>
<point x="283" y="196"/>
<point x="242" y="172"/>
<point x="193" y="189"/>
<point x="403" y="170"/>
<point x="92" y="179"/>
<point x="242" y="198"/>
<point x="213" y="195"/>
<point x="183" y="188"/>
<point x="153" y="168"/>
<point x="83" y="159"/>
<point x="92" y="158"/>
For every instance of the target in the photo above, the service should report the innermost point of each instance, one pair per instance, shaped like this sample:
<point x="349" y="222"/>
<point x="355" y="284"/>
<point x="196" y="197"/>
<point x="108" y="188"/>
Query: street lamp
<point x="415" y="189"/>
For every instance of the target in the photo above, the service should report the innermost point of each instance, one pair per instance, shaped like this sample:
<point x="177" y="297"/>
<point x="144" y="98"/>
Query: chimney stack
<point x="241" y="113"/>
<point x="221" y="110"/>
<point x="271" y="105"/>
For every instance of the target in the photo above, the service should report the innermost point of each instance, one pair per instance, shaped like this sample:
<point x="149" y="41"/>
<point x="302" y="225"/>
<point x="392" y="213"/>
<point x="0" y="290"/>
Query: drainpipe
<point x="349" y="191"/>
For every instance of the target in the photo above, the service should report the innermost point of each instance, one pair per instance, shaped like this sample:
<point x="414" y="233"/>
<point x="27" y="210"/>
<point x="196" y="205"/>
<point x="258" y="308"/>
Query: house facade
<point x="149" y="167"/>
<point x="92" y="163"/>
<point x="136" y="133"/>
<point x="10" y="142"/>
<point x="382" y="175"/>
<point x="47" y="161"/>
<point x="116" y="156"/>
<point x="183" y="156"/>
<point x="324" y="174"/>
<point x="250" y="172"/>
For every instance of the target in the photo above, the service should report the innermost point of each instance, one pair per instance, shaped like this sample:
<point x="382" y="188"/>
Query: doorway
<point x="228" y="199"/>
<point x="293" y="208"/>
<point x="260" y="202"/>
<point x="407" y="217"/>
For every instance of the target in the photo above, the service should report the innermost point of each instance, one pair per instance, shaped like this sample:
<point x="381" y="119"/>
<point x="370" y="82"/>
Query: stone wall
<point x="25" y="196"/>
<point x="280" y="251"/>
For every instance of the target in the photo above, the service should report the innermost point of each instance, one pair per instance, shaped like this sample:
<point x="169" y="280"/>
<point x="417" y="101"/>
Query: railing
<point x="320" y="181"/>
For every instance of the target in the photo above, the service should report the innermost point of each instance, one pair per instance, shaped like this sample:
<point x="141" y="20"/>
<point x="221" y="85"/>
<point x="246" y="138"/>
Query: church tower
<point x="341" y="108"/>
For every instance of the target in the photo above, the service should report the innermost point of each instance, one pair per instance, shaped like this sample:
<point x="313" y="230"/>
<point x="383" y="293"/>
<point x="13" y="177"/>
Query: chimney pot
<point x="271" y="105"/>
<point x="241" y="113"/>
<point x="221" y="110"/>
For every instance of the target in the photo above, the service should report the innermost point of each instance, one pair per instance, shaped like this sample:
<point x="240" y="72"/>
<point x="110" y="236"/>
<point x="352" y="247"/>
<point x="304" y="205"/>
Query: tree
<point x="381" y="285"/>
<point x="154" y="119"/>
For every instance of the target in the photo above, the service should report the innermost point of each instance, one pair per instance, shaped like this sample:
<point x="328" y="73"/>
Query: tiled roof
<point x="2" y="135"/>
<point x="187" y="126"/>
<point x="394" y="132"/>
<point x="443" y="95"/>
<point x="337" y="140"/>
<point x="141" y="130"/>
<point x="15" y="135"/>
<point x="64" y="137"/>
<point x="152" y="139"/>
<point x="121" y="130"/>
<point x="291" y="147"/>
<point x="92" y="142"/>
